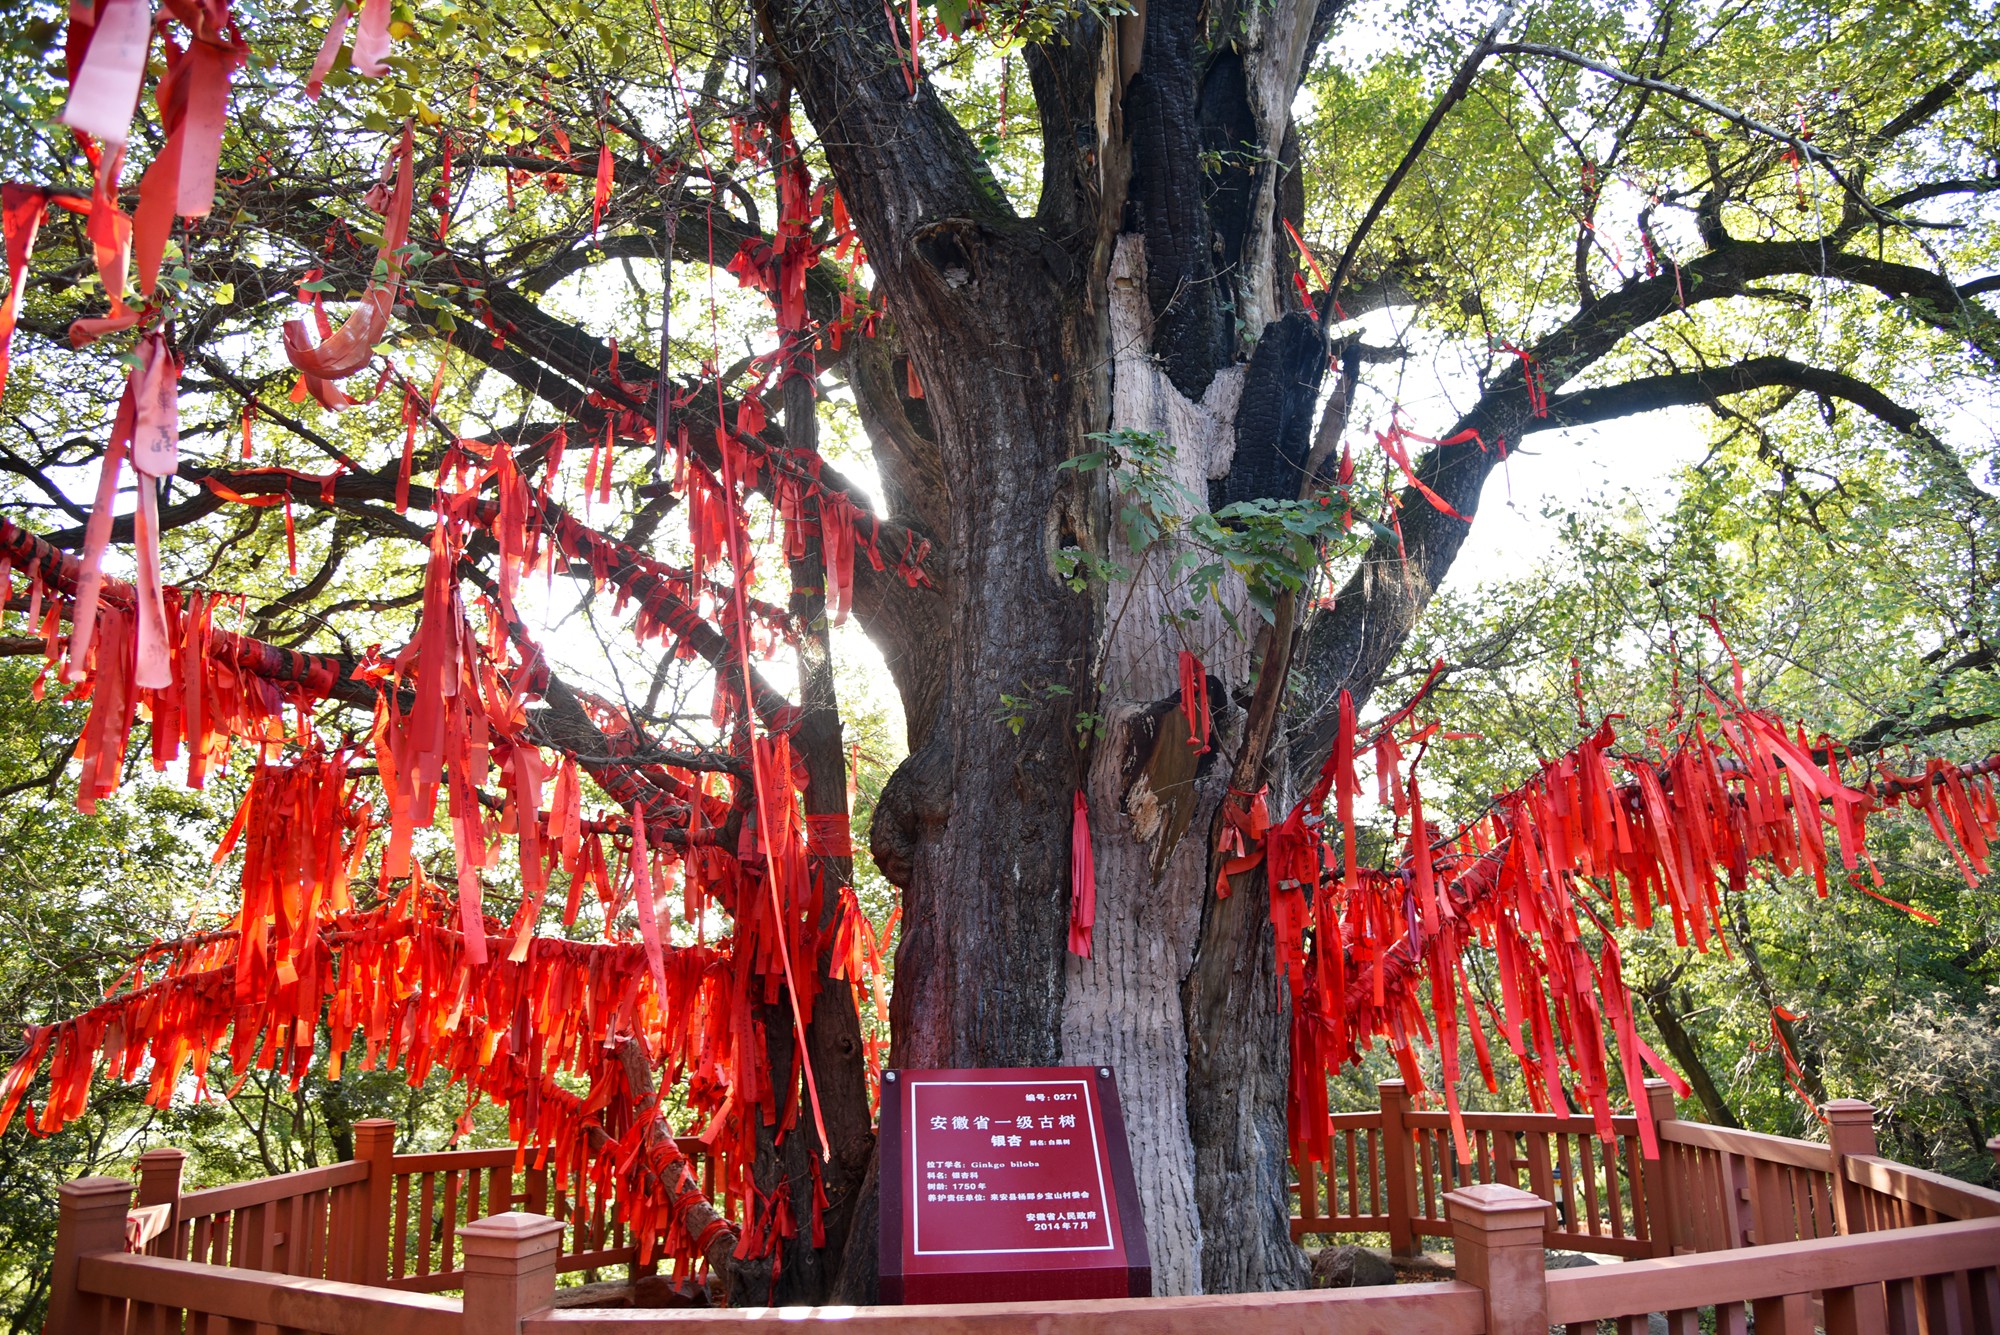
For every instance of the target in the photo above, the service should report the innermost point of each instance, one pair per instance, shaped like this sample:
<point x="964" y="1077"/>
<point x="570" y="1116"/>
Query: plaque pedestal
<point x="1008" y="1185"/>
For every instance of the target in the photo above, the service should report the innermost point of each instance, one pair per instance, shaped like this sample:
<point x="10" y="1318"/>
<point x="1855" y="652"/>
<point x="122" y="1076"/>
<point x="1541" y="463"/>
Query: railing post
<point x="1662" y="1216"/>
<point x="1496" y="1236"/>
<point x="1850" y="1131"/>
<point x="510" y="1270"/>
<point x="90" y="1220"/>
<point x="160" y="1184"/>
<point x="374" y="1145"/>
<point x="1399" y="1166"/>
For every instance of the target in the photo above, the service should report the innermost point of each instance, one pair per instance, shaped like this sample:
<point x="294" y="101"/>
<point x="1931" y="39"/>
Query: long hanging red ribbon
<point x="1082" y="879"/>
<point x="740" y="576"/>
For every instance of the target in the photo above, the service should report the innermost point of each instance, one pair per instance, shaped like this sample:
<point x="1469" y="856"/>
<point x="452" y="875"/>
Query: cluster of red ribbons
<point x="344" y="932"/>
<point x="1598" y="839"/>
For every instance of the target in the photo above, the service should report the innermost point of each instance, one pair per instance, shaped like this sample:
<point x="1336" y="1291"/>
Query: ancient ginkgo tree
<point x="417" y="324"/>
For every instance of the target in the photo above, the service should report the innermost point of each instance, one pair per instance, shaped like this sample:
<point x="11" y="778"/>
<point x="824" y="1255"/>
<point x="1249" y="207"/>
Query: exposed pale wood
<point x="321" y="1306"/>
<point x="1751" y="1144"/>
<point x="1408" y="1309"/>
<point x="1942" y="1195"/>
<point x="1769" y="1272"/>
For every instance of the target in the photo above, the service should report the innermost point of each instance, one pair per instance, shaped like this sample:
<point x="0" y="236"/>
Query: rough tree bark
<point x="1145" y="294"/>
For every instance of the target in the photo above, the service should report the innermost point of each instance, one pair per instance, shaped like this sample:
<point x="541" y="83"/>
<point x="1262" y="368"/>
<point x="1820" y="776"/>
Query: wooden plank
<point x="1730" y="1320"/>
<point x="1770" y="1203"/>
<point x="1683" y="1321"/>
<point x="1625" y="1125"/>
<point x="279" y="1300"/>
<point x="221" y="1200"/>
<point x="452" y="1160"/>
<point x="1856" y="1310"/>
<point x="1985" y="1286"/>
<point x="447" y="1249"/>
<point x="426" y="1212"/>
<point x="1768" y="1272"/>
<point x="1352" y="1179"/>
<point x="399" y="1260"/>
<point x="1943" y="1196"/>
<point x="1426" y="1177"/>
<point x="1597" y="1244"/>
<point x="1750" y="1144"/>
<point x="1788" y="1314"/>
<point x="1586" y="1172"/>
<point x="538" y="1191"/>
<point x="593" y="1260"/>
<point x="1565" y="1181"/>
<point x="437" y="1281"/>
<point x="1948" y="1304"/>
<point x="1376" y="1196"/>
<point x="1901" y="1298"/>
<point x="1614" y="1206"/>
<point x="1410" y="1309"/>
<point x="1539" y="1180"/>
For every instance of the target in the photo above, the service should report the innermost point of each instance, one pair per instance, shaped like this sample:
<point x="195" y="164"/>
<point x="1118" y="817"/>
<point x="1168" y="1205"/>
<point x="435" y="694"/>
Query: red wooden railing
<point x="1722" y="1229"/>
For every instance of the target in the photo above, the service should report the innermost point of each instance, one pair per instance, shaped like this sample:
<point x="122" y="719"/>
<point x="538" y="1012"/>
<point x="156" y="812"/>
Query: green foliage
<point x="1276" y="546"/>
<point x="1858" y="594"/>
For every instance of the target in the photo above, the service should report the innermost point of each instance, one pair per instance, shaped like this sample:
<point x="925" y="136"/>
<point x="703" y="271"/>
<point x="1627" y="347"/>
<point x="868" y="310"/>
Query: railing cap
<point x="1848" y="1110"/>
<point x="1490" y="1206"/>
<point x="515" y="1233"/>
<point x="87" y="1191"/>
<point x="165" y="1152"/>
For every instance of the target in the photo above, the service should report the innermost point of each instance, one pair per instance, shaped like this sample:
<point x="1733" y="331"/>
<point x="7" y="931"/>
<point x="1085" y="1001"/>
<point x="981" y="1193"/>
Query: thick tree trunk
<point x="1144" y="296"/>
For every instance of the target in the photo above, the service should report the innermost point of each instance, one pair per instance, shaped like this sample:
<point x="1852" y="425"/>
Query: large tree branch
<point x="1350" y="646"/>
<point x="1649" y="393"/>
<point x="900" y="157"/>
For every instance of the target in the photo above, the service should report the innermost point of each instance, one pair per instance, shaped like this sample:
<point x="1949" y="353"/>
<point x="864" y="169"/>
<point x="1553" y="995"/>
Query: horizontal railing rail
<point x="1450" y="1308"/>
<point x="1725" y="1229"/>
<point x="1942" y="1278"/>
<point x="160" y="1294"/>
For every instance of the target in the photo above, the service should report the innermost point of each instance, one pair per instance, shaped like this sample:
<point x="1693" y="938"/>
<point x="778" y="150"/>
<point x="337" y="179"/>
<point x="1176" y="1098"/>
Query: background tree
<point x="1103" y="416"/>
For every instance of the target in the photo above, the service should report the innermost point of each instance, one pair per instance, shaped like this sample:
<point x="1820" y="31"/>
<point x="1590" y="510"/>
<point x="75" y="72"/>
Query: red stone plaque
<point x="1006" y="1185"/>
